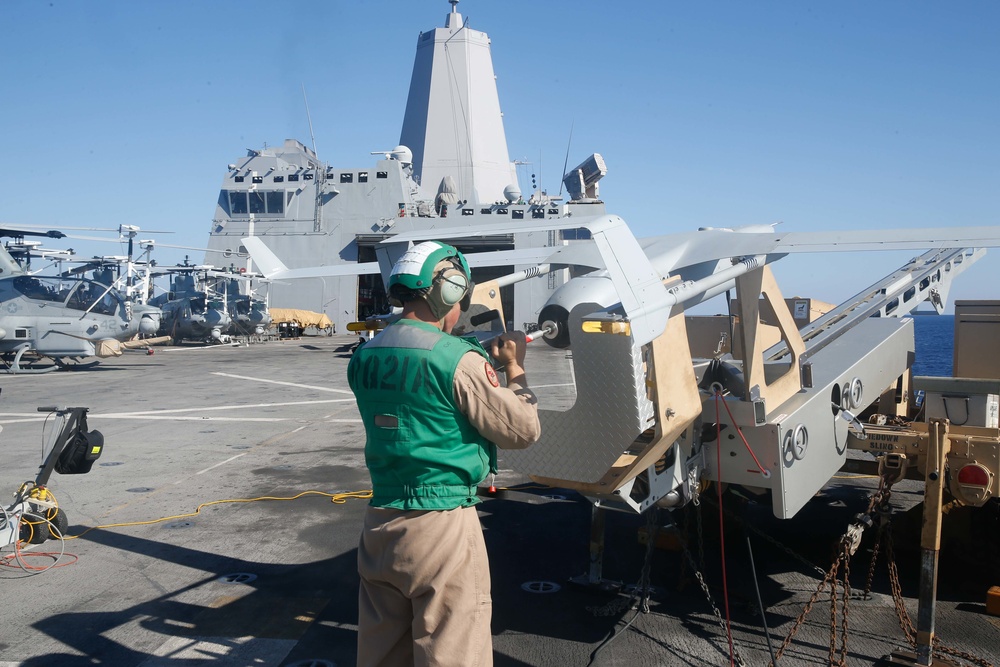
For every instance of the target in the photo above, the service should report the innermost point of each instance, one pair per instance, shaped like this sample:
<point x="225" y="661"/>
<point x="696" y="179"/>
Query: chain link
<point x="642" y="589"/>
<point x="779" y="545"/>
<point x="848" y="543"/>
<point x="906" y="624"/>
<point x="837" y="577"/>
<point x="689" y="558"/>
<point x="841" y="565"/>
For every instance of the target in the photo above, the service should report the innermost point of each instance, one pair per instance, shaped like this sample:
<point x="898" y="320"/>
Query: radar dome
<point x="511" y="193"/>
<point x="403" y="154"/>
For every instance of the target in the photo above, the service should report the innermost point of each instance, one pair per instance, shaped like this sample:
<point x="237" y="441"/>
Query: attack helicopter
<point x="190" y="312"/>
<point x="51" y="322"/>
<point x="106" y="270"/>
<point x="249" y="312"/>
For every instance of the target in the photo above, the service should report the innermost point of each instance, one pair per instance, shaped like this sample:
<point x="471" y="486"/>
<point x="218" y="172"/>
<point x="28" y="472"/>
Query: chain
<point x="711" y="602"/>
<point x="701" y="539"/>
<point x="689" y="559"/>
<point x="848" y="544"/>
<point x="642" y="589"/>
<point x="774" y="542"/>
<point x="906" y="624"/>
<point x="685" y="531"/>
<point x="963" y="655"/>
<point x="828" y="578"/>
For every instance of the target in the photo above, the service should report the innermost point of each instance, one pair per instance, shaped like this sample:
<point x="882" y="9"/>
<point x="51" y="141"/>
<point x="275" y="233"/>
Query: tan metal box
<point x="977" y="339"/>
<point x="962" y="401"/>
<point x="993" y="601"/>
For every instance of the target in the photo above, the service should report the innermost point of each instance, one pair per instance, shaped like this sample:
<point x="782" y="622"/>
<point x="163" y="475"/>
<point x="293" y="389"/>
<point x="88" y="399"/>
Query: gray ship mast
<point x="453" y="123"/>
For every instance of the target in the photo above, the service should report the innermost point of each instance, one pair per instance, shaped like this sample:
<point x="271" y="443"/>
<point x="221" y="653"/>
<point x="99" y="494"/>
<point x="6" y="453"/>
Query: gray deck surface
<point x="191" y="425"/>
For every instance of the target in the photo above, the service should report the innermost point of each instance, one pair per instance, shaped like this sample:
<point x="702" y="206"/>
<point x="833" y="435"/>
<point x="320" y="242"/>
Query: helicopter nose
<point x="147" y="325"/>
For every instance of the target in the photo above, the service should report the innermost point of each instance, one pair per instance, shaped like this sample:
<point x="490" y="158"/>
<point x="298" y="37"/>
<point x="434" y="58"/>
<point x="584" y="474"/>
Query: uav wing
<point x="273" y="268"/>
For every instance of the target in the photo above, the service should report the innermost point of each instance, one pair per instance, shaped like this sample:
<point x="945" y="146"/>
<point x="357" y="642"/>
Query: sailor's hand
<point x="508" y="350"/>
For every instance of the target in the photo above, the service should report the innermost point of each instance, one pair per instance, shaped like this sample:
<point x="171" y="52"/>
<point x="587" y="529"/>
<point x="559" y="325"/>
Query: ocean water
<point x="934" y="338"/>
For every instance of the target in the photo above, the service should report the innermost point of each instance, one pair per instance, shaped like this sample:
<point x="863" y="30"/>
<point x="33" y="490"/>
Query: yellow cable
<point x="338" y="498"/>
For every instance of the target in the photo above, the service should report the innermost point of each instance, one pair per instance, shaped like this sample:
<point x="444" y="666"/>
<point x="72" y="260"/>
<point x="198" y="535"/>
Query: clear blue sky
<point x="823" y="115"/>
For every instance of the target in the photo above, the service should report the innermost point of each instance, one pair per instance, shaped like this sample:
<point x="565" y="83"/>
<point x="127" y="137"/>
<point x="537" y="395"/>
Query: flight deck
<point x="219" y="527"/>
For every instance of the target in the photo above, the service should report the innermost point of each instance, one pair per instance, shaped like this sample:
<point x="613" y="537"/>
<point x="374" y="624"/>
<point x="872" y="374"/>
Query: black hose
<point x="760" y="602"/>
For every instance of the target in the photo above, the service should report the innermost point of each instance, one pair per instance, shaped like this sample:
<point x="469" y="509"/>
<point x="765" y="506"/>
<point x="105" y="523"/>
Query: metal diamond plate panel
<point x="611" y="410"/>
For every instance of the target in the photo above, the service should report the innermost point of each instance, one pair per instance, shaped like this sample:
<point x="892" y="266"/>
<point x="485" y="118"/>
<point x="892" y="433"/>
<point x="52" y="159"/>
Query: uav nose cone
<point x="559" y="316"/>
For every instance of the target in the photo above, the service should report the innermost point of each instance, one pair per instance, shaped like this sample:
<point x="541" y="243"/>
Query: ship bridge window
<point x="293" y="177"/>
<point x="238" y="179"/>
<point x="329" y="174"/>
<point x="362" y="177"/>
<point x="553" y="211"/>
<point x="258" y="179"/>
<point x="346" y="177"/>
<point x="308" y="176"/>
<point x="517" y="214"/>
<point x="501" y="211"/>
<point x="538" y="213"/>
<point x="266" y="201"/>
<point x="468" y="211"/>
<point x="256" y="202"/>
<point x="237" y="202"/>
<point x="275" y="202"/>
<point x="381" y="174"/>
<point x="279" y="179"/>
<point x="485" y="211"/>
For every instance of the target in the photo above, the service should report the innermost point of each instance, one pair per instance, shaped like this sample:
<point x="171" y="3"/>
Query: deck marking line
<point x="287" y="384"/>
<point x="231" y="458"/>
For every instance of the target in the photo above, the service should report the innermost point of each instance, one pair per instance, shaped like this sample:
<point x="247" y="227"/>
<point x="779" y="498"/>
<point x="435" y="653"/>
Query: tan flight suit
<point x="425" y="578"/>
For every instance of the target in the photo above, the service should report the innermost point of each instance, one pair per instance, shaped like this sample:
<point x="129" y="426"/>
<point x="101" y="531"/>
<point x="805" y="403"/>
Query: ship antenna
<point x="566" y="160"/>
<point x="454" y="6"/>
<point x="309" y="118"/>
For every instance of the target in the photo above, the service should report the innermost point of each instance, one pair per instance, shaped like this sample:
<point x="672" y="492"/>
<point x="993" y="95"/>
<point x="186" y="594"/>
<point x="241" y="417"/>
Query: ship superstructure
<point x="451" y="168"/>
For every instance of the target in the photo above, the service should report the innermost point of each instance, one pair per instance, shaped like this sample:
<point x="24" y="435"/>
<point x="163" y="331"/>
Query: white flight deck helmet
<point x="435" y="272"/>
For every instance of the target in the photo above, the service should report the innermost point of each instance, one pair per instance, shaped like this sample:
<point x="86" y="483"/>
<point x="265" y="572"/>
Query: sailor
<point x="434" y="413"/>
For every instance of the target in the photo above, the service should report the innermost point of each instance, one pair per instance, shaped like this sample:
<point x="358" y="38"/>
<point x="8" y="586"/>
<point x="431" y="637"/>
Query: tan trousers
<point x="425" y="590"/>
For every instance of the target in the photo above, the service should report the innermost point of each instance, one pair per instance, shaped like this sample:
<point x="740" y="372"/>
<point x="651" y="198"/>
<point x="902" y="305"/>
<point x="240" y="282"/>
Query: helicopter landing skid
<point x="75" y="366"/>
<point x="14" y="367"/>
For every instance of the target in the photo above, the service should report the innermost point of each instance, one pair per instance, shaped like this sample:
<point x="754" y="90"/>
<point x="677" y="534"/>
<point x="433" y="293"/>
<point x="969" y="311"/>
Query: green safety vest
<point x="421" y="451"/>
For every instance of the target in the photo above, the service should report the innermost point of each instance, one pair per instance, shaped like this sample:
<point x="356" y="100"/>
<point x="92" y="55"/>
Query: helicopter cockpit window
<point x="198" y="304"/>
<point x="37" y="288"/>
<point x="93" y="297"/>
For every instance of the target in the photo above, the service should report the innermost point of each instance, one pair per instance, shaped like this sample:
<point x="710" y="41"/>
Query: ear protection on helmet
<point x="450" y="286"/>
<point x="453" y="286"/>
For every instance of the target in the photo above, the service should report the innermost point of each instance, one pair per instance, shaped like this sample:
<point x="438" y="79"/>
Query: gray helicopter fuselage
<point x="60" y="316"/>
